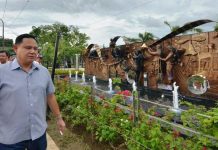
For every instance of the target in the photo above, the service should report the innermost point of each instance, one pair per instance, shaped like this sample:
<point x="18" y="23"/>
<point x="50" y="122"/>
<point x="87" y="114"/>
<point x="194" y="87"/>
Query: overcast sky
<point x="104" y="19"/>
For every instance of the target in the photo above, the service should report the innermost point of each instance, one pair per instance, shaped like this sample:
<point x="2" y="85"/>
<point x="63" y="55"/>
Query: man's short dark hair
<point x="3" y="51"/>
<point x="20" y="38"/>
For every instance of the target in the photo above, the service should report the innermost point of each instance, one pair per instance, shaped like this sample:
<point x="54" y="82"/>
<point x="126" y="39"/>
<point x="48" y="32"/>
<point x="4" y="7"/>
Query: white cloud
<point x="103" y="19"/>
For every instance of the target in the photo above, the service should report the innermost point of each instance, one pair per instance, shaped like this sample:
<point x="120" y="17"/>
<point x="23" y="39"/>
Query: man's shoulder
<point x="41" y="67"/>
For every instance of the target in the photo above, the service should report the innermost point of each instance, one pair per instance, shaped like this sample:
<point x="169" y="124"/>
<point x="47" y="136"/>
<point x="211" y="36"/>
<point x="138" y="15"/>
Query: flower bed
<point x="113" y="123"/>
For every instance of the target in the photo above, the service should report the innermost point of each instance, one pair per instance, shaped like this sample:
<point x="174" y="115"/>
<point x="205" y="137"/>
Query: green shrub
<point x="66" y="71"/>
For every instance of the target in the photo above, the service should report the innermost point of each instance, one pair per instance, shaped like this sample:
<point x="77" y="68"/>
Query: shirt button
<point x="31" y="104"/>
<point x="32" y="125"/>
<point x="30" y="94"/>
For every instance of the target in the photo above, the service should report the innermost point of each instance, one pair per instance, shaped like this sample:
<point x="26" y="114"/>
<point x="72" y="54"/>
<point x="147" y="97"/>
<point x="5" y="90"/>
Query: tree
<point x="142" y="37"/>
<point x="145" y="37"/>
<point x="72" y="41"/>
<point x="8" y="44"/>
<point x="216" y="27"/>
<point x="174" y="28"/>
<point x="196" y="30"/>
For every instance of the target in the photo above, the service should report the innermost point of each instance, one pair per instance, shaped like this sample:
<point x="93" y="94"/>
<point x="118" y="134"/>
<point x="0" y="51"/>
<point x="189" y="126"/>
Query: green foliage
<point x="66" y="71"/>
<point x="72" y="41"/>
<point x="117" y="88"/>
<point x="8" y="43"/>
<point x="197" y="30"/>
<point x="174" y="28"/>
<point x="142" y="37"/>
<point x="117" y="99"/>
<point x="216" y="27"/>
<point x="146" y="36"/>
<point x="105" y="131"/>
<point x="116" y="81"/>
<point x="198" y="118"/>
<point x="107" y="120"/>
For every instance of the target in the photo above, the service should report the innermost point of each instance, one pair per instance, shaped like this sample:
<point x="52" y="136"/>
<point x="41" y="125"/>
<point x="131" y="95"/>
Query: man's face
<point x="26" y="51"/>
<point x="3" y="58"/>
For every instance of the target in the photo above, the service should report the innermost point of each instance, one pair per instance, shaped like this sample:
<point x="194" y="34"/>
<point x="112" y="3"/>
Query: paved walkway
<point x="51" y="144"/>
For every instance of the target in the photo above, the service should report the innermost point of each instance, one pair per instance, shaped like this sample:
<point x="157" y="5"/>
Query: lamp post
<point x="55" y="56"/>
<point x="3" y="37"/>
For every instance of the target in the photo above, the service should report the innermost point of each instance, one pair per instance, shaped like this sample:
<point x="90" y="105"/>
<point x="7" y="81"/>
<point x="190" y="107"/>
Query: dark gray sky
<point x="104" y="19"/>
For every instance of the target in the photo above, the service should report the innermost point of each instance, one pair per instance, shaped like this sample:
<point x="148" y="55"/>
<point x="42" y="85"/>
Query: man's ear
<point x="15" y="48"/>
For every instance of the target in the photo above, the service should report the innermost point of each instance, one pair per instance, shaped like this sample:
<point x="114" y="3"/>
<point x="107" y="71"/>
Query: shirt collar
<point x="15" y="65"/>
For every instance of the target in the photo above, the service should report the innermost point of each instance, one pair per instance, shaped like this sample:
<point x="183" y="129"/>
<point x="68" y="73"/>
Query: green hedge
<point x="66" y="71"/>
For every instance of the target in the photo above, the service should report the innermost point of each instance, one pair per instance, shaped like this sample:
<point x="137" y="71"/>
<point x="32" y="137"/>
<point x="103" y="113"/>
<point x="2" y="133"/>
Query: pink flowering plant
<point x="126" y="97"/>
